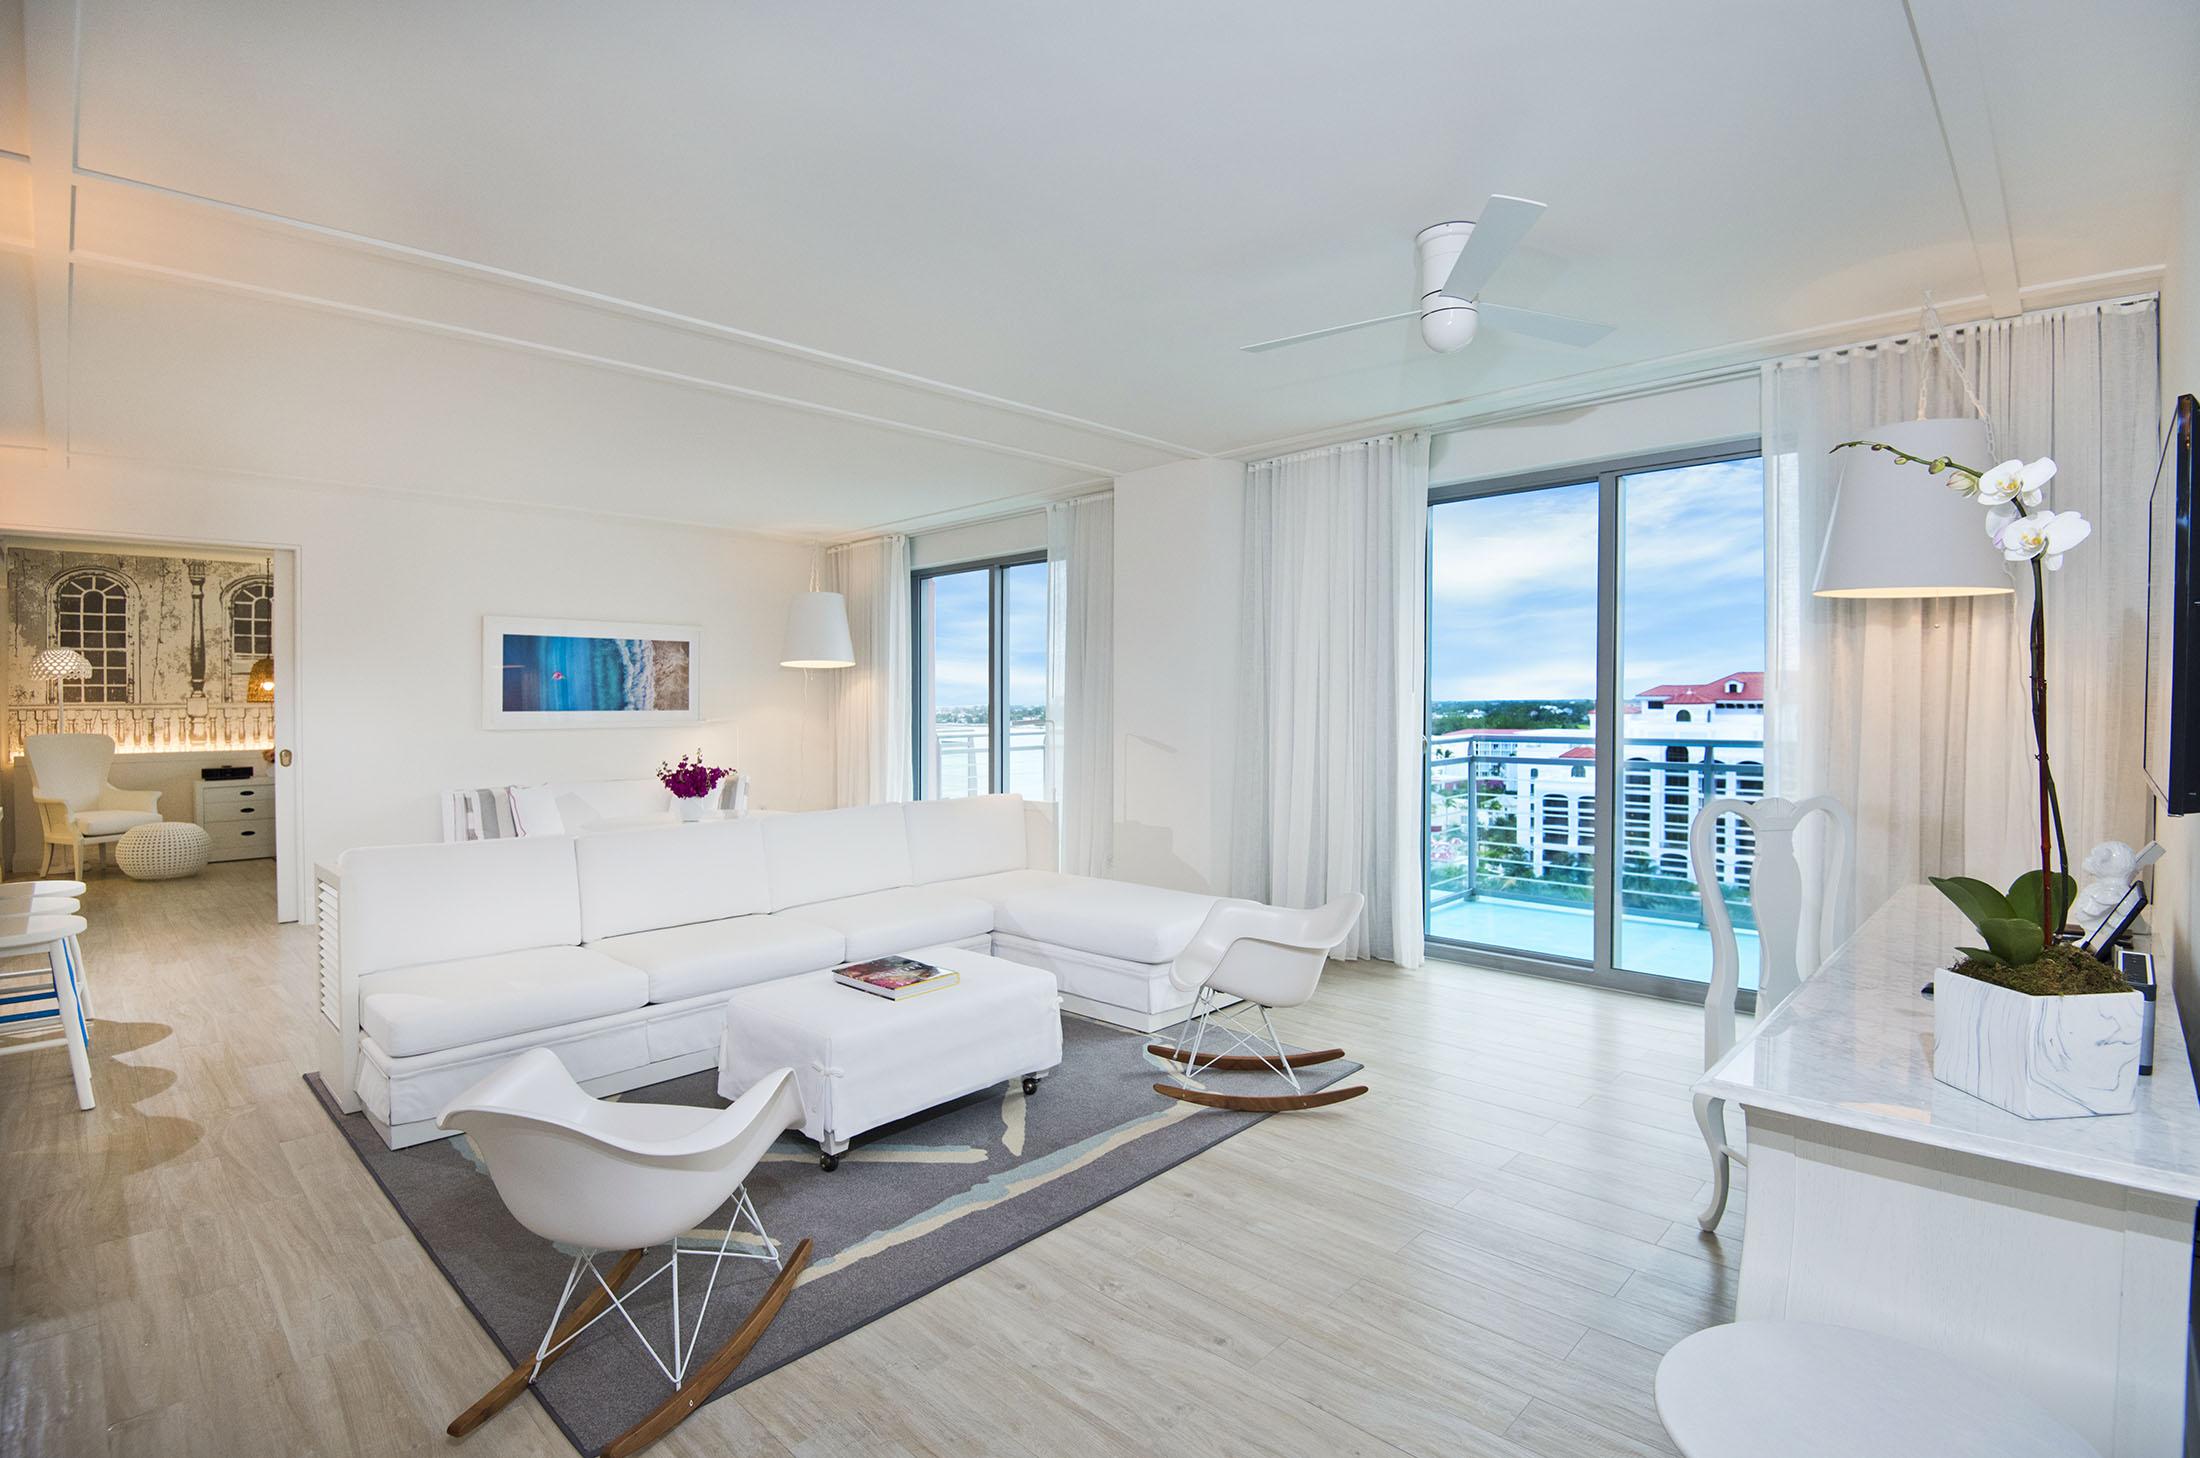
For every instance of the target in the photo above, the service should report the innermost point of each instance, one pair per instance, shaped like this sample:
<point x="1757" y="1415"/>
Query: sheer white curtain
<point x="871" y="703"/>
<point x="1330" y="769"/>
<point x="1081" y="680"/>
<point x="1912" y="711"/>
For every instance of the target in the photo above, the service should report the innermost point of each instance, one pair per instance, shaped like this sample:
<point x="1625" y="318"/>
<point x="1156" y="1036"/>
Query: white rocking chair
<point x="1792" y="920"/>
<point x="607" y="1176"/>
<point x="1271" y="957"/>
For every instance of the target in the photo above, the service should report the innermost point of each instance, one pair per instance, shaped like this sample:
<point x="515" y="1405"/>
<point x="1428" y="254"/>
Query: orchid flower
<point x="2049" y="533"/>
<point x="2014" y="480"/>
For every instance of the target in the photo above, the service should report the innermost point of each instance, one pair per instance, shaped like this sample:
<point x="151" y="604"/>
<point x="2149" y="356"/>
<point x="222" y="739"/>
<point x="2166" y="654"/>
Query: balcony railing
<point x="1514" y="819"/>
<point x="960" y="761"/>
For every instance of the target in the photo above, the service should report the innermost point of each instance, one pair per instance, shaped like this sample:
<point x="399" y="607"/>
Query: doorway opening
<point x="149" y="684"/>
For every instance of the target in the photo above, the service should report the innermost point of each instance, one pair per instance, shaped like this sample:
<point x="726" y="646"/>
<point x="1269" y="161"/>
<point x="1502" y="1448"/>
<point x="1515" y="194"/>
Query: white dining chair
<point x="76" y="805"/>
<point x="32" y="998"/>
<point x="1794" y="915"/>
<point x="1245" y="960"/>
<point x="600" y="1175"/>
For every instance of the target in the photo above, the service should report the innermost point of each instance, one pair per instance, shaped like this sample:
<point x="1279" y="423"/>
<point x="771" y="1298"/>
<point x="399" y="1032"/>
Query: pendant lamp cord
<point x="1929" y="322"/>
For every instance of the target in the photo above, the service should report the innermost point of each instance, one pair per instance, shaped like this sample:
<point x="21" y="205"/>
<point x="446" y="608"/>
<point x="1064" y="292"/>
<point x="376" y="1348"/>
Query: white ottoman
<point x="166" y="850"/>
<point x="862" y="1061"/>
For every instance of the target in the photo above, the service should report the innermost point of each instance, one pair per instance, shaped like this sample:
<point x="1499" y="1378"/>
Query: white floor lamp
<point x="60" y="664"/>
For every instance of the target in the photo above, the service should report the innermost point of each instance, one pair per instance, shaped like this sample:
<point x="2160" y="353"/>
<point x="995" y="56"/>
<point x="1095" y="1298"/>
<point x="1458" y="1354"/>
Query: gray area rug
<point x="911" y="1207"/>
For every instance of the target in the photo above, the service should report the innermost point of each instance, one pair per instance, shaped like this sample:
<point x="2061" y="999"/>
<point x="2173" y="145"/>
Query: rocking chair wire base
<point x="692" y="1382"/>
<point x="1260" y="1103"/>
<point x="500" y="1396"/>
<point x="707" y="1377"/>
<point x="1251" y="1050"/>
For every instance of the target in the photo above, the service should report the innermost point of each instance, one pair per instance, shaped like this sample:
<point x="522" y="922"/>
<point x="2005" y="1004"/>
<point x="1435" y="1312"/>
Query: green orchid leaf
<point x="2024" y="894"/>
<point x="1976" y="900"/>
<point x="2015" y="940"/>
<point x="1978" y="954"/>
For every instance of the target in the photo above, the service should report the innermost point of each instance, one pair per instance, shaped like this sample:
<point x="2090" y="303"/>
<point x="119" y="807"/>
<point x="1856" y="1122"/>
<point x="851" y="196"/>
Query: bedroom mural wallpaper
<point x="174" y="643"/>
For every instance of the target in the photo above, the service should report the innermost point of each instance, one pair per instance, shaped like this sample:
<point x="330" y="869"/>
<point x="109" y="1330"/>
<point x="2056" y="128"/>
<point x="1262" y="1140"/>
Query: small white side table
<point x="1799" y="1390"/>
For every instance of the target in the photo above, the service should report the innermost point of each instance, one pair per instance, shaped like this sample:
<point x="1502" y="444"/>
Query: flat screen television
<point x="2173" y="623"/>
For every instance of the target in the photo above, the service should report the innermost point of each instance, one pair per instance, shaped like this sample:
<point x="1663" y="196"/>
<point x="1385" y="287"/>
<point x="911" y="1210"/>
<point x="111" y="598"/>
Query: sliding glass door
<point x="981" y="679"/>
<point x="1595" y="672"/>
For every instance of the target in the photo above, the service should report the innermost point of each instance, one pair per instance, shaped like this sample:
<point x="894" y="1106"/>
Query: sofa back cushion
<point x="408" y="904"/>
<point x="824" y="854"/>
<point x="671" y="875"/>
<point x="977" y="836"/>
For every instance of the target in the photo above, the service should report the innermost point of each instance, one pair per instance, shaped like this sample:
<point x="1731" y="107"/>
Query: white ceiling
<point x="812" y="269"/>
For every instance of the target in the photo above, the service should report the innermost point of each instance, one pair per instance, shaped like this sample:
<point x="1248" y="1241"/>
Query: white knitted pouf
<point x="163" y="851"/>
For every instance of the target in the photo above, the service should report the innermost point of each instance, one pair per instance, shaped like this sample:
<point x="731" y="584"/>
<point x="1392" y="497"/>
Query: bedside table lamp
<point x="59" y="664"/>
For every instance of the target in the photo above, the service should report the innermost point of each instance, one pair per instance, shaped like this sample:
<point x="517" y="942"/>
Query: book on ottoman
<point x="896" y="977"/>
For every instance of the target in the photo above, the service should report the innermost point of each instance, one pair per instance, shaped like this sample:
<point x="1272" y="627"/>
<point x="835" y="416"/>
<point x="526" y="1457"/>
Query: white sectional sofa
<point x="619" y="949"/>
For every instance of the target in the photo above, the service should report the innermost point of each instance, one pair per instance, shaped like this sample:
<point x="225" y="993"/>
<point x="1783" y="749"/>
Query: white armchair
<point x="1270" y="957"/>
<point x="76" y="805"/>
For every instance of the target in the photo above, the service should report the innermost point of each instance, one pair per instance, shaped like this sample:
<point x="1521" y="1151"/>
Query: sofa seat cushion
<point x="879" y="922"/>
<point x="1119" y="919"/>
<point x="718" y="956"/>
<point x="112" y="822"/>
<point x="441" y="1005"/>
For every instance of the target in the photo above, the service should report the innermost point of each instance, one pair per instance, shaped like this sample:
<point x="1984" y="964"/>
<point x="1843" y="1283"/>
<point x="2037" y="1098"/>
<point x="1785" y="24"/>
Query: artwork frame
<point x="615" y="670"/>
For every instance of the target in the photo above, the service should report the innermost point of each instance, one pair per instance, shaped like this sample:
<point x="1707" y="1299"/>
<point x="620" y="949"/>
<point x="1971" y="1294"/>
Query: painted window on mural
<point x="91" y="613"/>
<point x="252" y="618"/>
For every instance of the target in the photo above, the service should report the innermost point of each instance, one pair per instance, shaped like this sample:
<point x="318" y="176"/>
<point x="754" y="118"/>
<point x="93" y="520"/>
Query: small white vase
<point x="690" y="810"/>
<point x="2038" y="1057"/>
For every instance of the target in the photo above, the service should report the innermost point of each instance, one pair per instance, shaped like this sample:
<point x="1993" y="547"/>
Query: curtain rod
<point x="976" y="521"/>
<point x="2126" y="304"/>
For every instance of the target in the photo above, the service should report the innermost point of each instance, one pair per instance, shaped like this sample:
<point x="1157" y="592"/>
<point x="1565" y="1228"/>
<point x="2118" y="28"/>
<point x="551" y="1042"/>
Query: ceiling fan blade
<point x="1504" y="222"/>
<point x="1325" y="333"/>
<point x="1555" y="327"/>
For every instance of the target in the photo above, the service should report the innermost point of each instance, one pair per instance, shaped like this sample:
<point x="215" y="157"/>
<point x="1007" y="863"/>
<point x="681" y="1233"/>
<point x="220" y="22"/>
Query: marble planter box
<point x="2041" y="1057"/>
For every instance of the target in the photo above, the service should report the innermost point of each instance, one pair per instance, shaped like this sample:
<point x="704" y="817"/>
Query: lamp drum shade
<point x="817" y="632"/>
<point x="1899" y="531"/>
<point x="61" y="663"/>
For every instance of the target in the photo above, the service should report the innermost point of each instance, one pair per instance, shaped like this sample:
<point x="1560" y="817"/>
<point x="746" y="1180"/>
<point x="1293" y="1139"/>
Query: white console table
<point x="2056" y="1254"/>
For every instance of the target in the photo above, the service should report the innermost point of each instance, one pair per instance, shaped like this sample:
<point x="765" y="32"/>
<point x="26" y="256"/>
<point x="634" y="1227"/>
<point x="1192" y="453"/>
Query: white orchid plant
<point x="2018" y="924"/>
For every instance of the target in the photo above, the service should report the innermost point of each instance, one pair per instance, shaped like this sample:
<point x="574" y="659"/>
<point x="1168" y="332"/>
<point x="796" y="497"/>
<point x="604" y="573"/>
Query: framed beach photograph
<point x="566" y="673"/>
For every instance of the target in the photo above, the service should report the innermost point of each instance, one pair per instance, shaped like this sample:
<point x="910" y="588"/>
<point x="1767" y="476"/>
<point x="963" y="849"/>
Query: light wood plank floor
<point x="1485" y="1256"/>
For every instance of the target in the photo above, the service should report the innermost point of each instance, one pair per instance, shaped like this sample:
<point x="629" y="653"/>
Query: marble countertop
<point x="1853" y="1048"/>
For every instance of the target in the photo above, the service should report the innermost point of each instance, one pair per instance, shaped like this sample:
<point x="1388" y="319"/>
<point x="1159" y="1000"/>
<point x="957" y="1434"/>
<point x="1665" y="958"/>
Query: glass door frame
<point x="996" y="664"/>
<point x="1602" y="970"/>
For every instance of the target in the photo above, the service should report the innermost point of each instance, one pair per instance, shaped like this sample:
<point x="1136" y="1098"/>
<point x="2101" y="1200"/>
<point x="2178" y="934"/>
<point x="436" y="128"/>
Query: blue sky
<point x="959" y="637"/>
<point x="1513" y="585"/>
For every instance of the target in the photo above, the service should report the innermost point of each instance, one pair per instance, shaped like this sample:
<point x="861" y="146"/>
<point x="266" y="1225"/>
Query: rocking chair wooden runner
<point x="605" y="1176"/>
<point x="1269" y="957"/>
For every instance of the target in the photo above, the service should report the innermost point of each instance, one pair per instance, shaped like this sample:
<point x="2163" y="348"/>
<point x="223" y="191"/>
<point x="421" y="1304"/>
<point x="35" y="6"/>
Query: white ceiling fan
<point x="1457" y="259"/>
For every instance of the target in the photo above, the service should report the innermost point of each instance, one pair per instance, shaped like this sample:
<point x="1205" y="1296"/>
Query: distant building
<point x="1683" y="744"/>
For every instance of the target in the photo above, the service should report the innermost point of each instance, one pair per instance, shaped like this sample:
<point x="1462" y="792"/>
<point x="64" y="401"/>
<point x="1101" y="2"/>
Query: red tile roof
<point x="1714" y="692"/>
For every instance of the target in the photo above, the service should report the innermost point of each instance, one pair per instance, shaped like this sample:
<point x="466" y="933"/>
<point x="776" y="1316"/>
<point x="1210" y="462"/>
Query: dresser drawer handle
<point x="248" y="832"/>
<point x="246" y="794"/>
<point x="249" y="810"/>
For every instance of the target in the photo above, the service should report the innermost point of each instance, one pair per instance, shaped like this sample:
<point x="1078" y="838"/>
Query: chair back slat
<point x="1792" y="911"/>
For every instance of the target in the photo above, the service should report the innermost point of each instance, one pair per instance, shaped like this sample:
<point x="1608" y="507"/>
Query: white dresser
<point x="239" y="815"/>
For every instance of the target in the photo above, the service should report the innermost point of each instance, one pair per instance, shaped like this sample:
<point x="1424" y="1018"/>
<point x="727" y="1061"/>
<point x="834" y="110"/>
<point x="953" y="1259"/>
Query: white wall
<point x="2176" y="914"/>
<point x="392" y="589"/>
<point x="1677" y="419"/>
<point x="1179" y="534"/>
